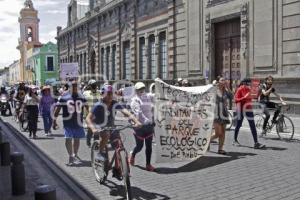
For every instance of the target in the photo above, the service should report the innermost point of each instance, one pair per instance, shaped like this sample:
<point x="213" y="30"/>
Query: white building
<point x="14" y="72"/>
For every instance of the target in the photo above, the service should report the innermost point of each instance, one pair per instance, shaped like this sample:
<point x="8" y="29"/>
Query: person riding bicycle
<point x="20" y="96"/>
<point x="103" y="115"/>
<point x="92" y="95"/>
<point x="265" y="91"/>
<point x="5" y="93"/>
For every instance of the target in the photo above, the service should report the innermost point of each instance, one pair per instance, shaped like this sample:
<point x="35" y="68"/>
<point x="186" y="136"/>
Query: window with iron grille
<point x="142" y="59"/>
<point x="126" y="61"/>
<point x="152" y="57"/>
<point x="163" y="55"/>
<point x="113" y="63"/>
<point x="50" y="63"/>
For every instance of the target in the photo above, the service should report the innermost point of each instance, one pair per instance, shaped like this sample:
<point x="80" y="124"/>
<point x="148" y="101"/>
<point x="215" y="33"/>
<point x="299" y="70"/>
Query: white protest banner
<point x="184" y="119"/>
<point x="68" y="70"/>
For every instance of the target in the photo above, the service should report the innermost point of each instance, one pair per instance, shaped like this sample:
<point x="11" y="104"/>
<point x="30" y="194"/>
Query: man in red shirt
<point x="243" y="102"/>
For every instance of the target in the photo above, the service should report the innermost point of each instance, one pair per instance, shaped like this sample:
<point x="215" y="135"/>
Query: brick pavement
<point x="244" y="174"/>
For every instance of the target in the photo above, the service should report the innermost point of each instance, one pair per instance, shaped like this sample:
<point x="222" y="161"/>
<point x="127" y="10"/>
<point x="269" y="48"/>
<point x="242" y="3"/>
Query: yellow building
<point x="29" y="38"/>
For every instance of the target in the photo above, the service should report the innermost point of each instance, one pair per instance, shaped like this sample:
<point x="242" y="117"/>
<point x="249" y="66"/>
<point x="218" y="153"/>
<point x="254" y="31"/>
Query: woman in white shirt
<point x="142" y="108"/>
<point x="31" y="103"/>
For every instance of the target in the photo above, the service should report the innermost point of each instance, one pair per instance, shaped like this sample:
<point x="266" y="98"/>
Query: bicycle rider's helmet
<point x="92" y="81"/>
<point x="106" y="88"/>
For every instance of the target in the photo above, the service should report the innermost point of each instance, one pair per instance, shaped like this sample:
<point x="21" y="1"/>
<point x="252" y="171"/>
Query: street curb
<point x="61" y="174"/>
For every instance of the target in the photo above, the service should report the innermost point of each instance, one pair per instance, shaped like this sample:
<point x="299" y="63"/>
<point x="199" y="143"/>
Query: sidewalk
<point x="35" y="173"/>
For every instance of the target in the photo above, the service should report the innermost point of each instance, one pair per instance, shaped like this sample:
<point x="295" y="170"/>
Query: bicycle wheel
<point x="285" y="127"/>
<point x="259" y="122"/>
<point x="230" y="118"/>
<point x="125" y="174"/>
<point x="99" y="168"/>
<point x="23" y="122"/>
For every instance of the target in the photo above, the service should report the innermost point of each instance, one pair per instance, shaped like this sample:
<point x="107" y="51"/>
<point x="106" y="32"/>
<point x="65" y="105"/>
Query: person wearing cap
<point x="103" y="115"/>
<point x="31" y="103"/>
<point x="46" y="105"/>
<point x="179" y="82"/>
<point x="72" y="103"/>
<point x="243" y="102"/>
<point x="142" y="107"/>
<point x="92" y="95"/>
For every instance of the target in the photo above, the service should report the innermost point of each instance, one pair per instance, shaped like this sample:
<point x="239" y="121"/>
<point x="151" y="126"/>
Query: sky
<point x="52" y="13"/>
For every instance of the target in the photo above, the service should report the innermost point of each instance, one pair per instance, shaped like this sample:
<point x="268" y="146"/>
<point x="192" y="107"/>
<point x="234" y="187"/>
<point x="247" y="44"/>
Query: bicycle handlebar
<point x="114" y="129"/>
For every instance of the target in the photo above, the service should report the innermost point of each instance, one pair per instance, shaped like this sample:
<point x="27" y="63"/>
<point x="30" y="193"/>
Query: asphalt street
<point x="245" y="173"/>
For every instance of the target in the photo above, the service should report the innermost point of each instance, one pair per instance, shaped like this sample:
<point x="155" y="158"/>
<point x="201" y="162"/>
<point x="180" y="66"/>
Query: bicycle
<point x="120" y="155"/>
<point x="230" y="119"/>
<point x="284" y="125"/>
<point x="23" y="121"/>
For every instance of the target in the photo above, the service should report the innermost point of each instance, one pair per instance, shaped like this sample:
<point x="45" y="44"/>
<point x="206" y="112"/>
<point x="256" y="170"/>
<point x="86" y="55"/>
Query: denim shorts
<point x="77" y="133"/>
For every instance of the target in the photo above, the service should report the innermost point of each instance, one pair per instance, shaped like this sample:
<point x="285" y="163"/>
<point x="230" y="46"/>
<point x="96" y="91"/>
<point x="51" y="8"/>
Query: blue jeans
<point x="250" y="118"/>
<point x="47" y="121"/>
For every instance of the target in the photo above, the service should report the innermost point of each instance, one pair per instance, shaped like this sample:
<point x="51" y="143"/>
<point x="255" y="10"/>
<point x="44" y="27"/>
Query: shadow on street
<point x="137" y="193"/>
<point x="203" y="163"/>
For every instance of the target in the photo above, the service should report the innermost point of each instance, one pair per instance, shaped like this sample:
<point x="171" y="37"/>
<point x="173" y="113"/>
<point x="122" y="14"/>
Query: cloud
<point x="45" y="3"/>
<point x="56" y="11"/>
<point x="10" y="29"/>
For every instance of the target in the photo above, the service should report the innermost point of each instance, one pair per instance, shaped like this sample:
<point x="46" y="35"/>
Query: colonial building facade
<point x="196" y="39"/>
<point x="29" y="38"/>
<point x="44" y="63"/>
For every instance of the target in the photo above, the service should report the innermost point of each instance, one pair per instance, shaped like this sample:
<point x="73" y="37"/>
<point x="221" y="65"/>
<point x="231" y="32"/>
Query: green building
<point x="43" y="62"/>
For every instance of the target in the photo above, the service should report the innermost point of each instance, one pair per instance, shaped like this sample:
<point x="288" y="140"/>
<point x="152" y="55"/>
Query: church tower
<point x="29" y="37"/>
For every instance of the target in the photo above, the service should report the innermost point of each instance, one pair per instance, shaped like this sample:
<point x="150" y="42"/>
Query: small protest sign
<point x="68" y="70"/>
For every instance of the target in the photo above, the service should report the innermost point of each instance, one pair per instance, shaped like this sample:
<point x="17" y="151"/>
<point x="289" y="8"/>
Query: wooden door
<point x="227" y="49"/>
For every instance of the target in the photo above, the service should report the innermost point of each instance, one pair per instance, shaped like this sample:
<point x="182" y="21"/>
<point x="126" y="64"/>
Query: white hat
<point x="92" y="81"/>
<point x="139" y="85"/>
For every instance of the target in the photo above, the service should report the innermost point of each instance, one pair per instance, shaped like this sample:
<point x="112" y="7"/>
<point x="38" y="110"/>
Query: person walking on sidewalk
<point x="243" y="102"/>
<point x="46" y="104"/>
<point x="221" y="117"/>
<point x="141" y="106"/>
<point x="31" y="104"/>
<point x="92" y="95"/>
<point x="72" y="105"/>
<point x="266" y="90"/>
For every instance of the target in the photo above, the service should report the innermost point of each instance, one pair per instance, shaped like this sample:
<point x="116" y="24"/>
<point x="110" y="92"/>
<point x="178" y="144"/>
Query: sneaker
<point x="150" y="168"/>
<point x="259" y="146"/>
<point x="236" y="143"/>
<point x="71" y="161"/>
<point x="222" y="152"/>
<point x="77" y="160"/>
<point x="131" y="160"/>
<point x="116" y="173"/>
<point x="263" y="133"/>
<point x="88" y="143"/>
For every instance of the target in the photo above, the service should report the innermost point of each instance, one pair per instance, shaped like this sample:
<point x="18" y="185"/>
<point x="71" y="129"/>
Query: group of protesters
<point x="243" y="99"/>
<point x="90" y="102"/>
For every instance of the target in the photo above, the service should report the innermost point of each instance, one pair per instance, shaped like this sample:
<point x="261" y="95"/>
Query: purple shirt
<point x="46" y="103"/>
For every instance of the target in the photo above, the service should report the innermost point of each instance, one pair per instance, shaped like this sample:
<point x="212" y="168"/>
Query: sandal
<point x="222" y="152"/>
